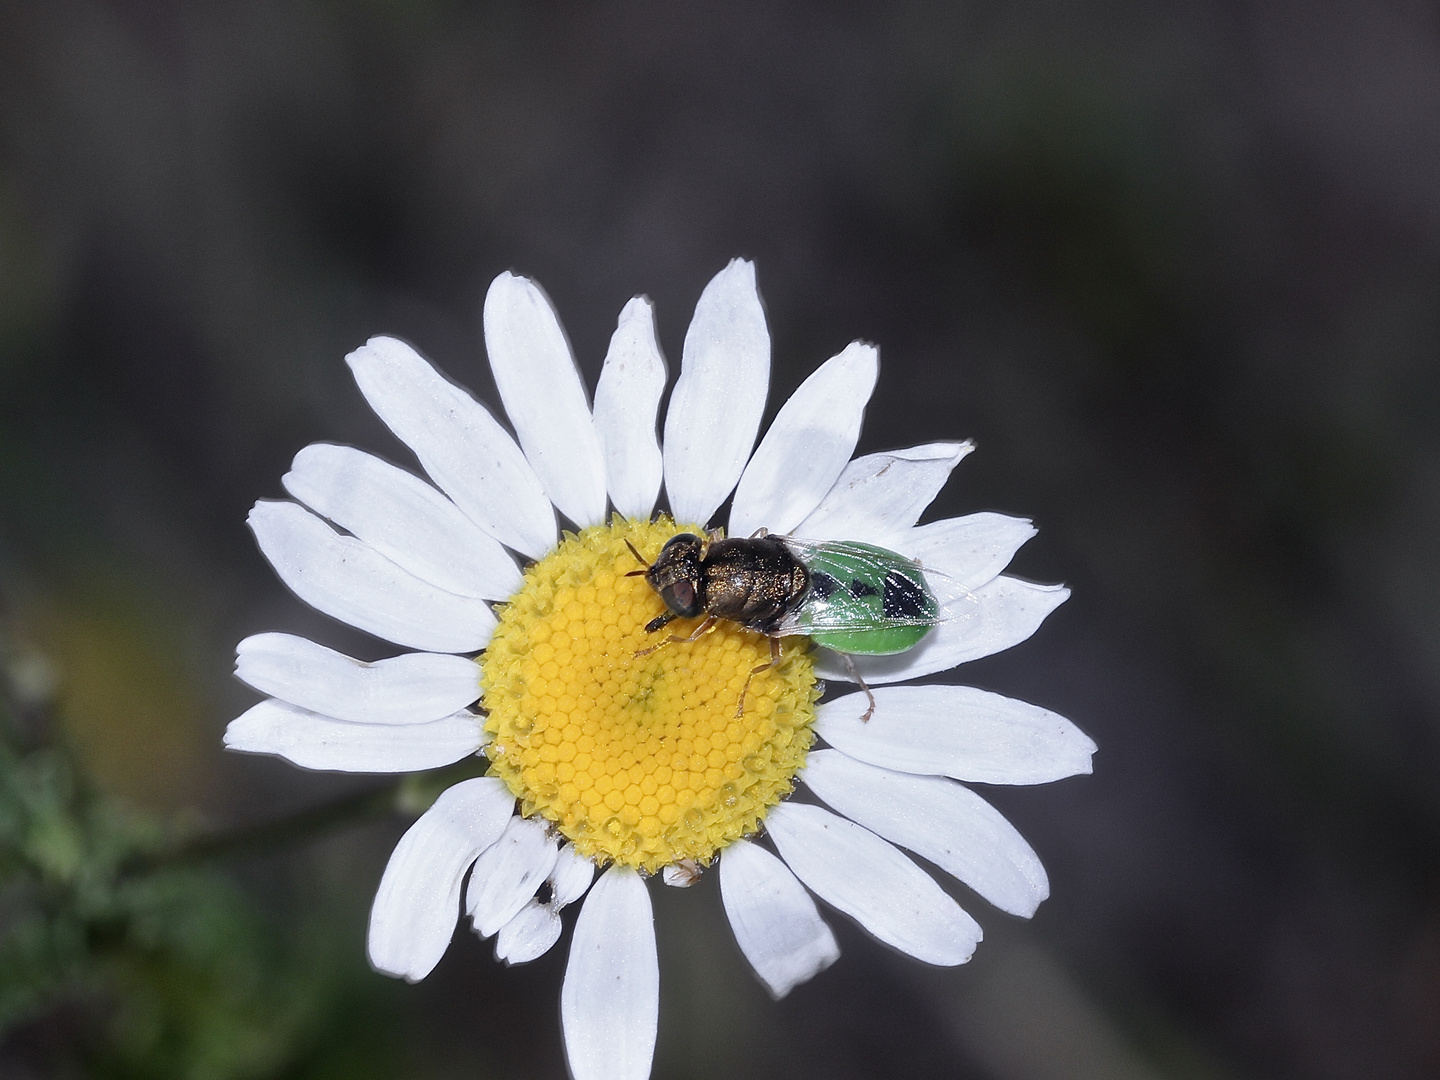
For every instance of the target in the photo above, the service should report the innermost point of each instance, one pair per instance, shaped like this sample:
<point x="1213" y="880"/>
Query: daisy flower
<point x="607" y="756"/>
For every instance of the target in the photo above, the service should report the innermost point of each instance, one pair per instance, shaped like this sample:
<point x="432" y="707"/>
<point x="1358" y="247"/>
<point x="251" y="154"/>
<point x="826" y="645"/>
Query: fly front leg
<point x="854" y="674"/>
<point x="774" y="659"/>
<point x="703" y="628"/>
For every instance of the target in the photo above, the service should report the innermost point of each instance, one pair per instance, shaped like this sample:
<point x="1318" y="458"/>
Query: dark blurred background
<point x="1174" y="267"/>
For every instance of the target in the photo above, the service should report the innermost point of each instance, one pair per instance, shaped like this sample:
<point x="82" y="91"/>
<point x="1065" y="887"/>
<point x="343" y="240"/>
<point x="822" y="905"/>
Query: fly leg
<point x="850" y="664"/>
<point x="774" y="659"/>
<point x="704" y="626"/>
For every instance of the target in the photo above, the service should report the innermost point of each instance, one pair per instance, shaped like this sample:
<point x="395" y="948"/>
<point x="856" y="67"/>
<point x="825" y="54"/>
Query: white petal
<point x="774" y="919"/>
<point x="879" y="496"/>
<point x="465" y="451"/>
<point x="627" y="399"/>
<point x="352" y="582"/>
<point x="403" y="518"/>
<point x="1005" y="613"/>
<point x="718" y="400"/>
<point x="610" y="1003"/>
<point x="418" y="901"/>
<point x="939" y="820"/>
<point x="807" y="446"/>
<point x="544" y="398"/>
<point x="874" y="883"/>
<point x="529" y="935"/>
<point x="536" y="927"/>
<point x="408" y="689"/>
<point x="956" y="731"/>
<point x="508" y="874"/>
<point x="313" y="741"/>
<point x="570" y="878"/>
<point x="971" y="549"/>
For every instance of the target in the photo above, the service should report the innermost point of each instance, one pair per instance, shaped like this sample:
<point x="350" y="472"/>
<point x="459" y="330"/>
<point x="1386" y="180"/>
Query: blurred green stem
<point x="409" y="794"/>
<point x="268" y="835"/>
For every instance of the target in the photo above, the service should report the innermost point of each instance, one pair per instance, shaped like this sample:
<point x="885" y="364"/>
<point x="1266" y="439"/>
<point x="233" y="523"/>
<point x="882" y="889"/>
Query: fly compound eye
<point x="679" y="597"/>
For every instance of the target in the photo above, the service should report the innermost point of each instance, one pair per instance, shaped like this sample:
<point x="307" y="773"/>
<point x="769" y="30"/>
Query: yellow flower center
<point x="639" y="760"/>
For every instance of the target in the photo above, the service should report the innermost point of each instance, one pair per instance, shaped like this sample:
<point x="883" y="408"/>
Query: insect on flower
<point x="603" y="769"/>
<point x="846" y="596"/>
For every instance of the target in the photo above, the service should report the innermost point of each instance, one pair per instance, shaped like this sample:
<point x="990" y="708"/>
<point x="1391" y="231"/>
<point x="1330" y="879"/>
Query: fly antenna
<point x="638" y="558"/>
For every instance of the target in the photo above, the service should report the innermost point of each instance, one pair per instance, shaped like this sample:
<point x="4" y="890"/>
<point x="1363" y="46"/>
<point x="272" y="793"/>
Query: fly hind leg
<point x="854" y="674"/>
<point x="774" y="659"/>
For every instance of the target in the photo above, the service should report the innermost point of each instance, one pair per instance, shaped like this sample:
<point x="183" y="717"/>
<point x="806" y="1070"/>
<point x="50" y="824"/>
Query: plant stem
<point x="280" y="832"/>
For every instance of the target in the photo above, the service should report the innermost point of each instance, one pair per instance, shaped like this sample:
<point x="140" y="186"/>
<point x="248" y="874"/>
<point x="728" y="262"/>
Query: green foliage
<point x="115" y="964"/>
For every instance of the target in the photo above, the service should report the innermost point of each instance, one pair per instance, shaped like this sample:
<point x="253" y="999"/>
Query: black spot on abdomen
<point x="903" y="598"/>
<point x="861" y="589"/>
<point x="823" y="585"/>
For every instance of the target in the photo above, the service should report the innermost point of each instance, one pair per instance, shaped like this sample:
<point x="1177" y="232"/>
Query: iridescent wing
<point x="861" y="587"/>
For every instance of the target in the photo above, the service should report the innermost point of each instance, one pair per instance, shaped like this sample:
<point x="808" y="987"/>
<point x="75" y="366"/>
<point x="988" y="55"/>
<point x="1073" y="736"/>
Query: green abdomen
<point x="894" y="639"/>
<point x="867" y="601"/>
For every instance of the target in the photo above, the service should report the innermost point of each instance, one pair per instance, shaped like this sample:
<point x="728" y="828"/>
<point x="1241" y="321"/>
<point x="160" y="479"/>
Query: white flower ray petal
<point x="318" y="742"/>
<point x="627" y="400"/>
<point x="808" y="444"/>
<point x="717" y="403"/>
<point x="529" y="935"/>
<point x="870" y="880"/>
<point x="409" y="689"/>
<point x="774" y="920"/>
<point x="460" y="445"/>
<point x="415" y="909"/>
<point x="972" y="550"/>
<point x="957" y="731"/>
<point x="536" y="927"/>
<point x="610" y="1001"/>
<point x="403" y="518"/>
<point x="538" y="382"/>
<point x="508" y="873"/>
<point x="351" y="581"/>
<point x="880" y="496"/>
<point x="571" y="876"/>
<point x="938" y="820"/>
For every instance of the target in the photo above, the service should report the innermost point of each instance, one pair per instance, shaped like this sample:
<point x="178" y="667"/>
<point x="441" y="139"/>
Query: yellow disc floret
<point x="639" y="760"/>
